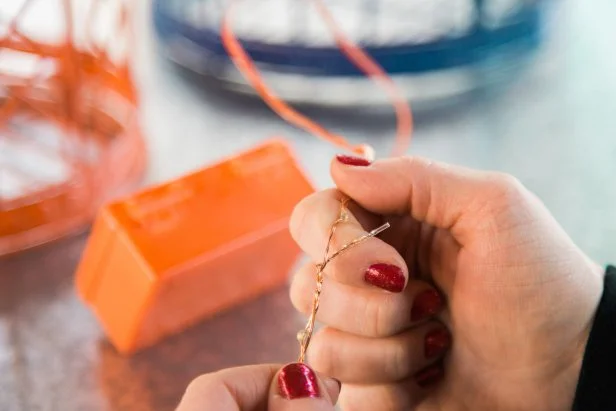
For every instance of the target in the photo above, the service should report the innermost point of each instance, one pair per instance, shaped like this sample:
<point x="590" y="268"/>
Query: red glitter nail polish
<point x="436" y="343"/>
<point x="386" y="276"/>
<point x="353" y="161"/>
<point x="427" y="304"/>
<point x="429" y="376"/>
<point x="298" y="381"/>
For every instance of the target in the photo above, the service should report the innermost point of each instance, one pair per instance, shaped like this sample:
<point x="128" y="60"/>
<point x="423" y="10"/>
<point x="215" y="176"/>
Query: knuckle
<point x="372" y="321"/>
<point x="501" y="193"/>
<point x="504" y="196"/>
<point x="506" y="187"/>
<point x="305" y="221"/>
<point x="368" y="398"/>
<point x="299" y="292"/>
<point x="299" y="217"/>
<point x="349" y="400"/>
<point x="398" y="361"/>
<point x="377" y="320"/>
<point x="322" y="356"/>
<point x="201" y="384"/>
<point x="413" y="161"/>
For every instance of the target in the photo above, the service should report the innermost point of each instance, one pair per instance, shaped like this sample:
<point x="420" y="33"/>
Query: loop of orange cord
<point x="354" y="53"/>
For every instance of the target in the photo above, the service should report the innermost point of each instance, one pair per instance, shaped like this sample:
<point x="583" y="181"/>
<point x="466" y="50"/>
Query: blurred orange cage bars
<point x="70" y="136"/>
<point x="167" y="257"/>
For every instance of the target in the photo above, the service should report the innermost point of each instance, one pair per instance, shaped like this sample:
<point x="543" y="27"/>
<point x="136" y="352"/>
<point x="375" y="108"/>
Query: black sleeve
<point x="596" y="390"/>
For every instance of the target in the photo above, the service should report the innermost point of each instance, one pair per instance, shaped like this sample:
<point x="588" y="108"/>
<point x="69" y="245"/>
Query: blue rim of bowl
<point x="522" y="32"/>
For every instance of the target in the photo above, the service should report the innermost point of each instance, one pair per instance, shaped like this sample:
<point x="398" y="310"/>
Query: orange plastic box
<point x="174" y="254"/>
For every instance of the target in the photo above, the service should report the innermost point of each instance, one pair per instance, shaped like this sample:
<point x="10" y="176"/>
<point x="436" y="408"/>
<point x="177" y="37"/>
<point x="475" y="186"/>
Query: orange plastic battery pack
<point x="174" y="254"/>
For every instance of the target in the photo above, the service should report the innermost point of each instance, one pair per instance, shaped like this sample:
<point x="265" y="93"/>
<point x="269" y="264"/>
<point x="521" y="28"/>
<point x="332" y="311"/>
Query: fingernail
<point x="436" y="342"/>
<point x="427" y="304"/>
<point x="386" y="276"/>
<point x="298" y="381"/>
<point x="429" y="376"/>
<point x="353" y="161"/>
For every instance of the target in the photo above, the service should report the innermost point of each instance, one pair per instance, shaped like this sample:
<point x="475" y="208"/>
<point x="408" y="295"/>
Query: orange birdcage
<point x="69" y="130"/>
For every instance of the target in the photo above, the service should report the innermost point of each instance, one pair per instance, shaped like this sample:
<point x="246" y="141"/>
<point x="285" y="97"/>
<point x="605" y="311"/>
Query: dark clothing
<point x="596" y="390"/>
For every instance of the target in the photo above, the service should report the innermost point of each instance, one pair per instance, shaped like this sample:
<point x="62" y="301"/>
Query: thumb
<point x="448" y="197"/>
<point x="298" y="388"/>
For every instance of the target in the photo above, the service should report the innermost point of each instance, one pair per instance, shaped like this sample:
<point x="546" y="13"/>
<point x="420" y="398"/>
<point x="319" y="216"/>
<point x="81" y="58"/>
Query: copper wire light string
<point x="305" y="335"/>
<point x="368" y="66"/>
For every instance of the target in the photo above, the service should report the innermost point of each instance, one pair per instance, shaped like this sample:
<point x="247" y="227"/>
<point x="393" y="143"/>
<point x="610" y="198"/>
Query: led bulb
<point x="367" y="152"/>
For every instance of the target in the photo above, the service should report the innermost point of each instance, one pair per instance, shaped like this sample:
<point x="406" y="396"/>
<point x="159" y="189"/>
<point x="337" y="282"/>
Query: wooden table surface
<point x="554" y="128"/>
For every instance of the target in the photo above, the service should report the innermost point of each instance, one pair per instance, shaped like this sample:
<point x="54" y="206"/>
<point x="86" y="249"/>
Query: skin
<point x="252" y="388"/>
<point x="519" y="295"/>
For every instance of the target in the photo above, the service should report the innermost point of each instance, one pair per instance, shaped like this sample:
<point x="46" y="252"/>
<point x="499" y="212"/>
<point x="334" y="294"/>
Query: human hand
<point x="518" y="297"/>
<point x="261" y="388"/>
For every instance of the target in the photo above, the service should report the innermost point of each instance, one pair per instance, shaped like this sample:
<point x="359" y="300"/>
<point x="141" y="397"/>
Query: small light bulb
<point x="367" y="152"/>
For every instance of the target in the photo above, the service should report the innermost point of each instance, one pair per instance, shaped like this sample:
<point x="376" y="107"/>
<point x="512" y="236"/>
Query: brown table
<point x="555" y="128"/>
<point x="53" y="356"/>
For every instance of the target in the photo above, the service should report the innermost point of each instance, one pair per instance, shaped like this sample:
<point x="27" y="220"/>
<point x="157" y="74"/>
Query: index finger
<point x="311" y="225"/>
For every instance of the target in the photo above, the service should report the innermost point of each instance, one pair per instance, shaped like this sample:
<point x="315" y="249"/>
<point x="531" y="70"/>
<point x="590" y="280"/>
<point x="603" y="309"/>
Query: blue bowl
<point x="200" y="49"/>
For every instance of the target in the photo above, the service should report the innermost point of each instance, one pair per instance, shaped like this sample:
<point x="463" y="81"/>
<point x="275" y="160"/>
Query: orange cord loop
<point x="355" y="54"/>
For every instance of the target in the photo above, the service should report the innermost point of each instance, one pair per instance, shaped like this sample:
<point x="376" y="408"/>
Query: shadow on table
<point x="38" y="276"/>
<point x="262" y="331"/>
<point x="61" y="358"/>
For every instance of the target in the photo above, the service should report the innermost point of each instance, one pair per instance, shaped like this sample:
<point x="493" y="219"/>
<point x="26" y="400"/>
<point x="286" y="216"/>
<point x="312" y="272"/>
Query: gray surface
<point x="553" y="128"/>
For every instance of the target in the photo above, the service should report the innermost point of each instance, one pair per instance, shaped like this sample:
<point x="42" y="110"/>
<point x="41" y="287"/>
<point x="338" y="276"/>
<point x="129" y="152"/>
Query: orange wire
<point x="73" y="99"/>
<point x="355" y="54"/>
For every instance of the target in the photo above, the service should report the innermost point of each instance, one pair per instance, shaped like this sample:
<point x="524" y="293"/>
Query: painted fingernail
<point x="386" y="276"/>
<point x="436" y="343"/>
<point x="427" y="304"/>
<point x="429" y="376"/>
<point x="353" y="161"/>
<point x="298" y="381"/>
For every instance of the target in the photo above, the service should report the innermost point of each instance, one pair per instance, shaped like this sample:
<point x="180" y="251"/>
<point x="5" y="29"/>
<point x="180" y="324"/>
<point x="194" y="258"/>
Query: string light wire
<point x="370" y="68"/>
